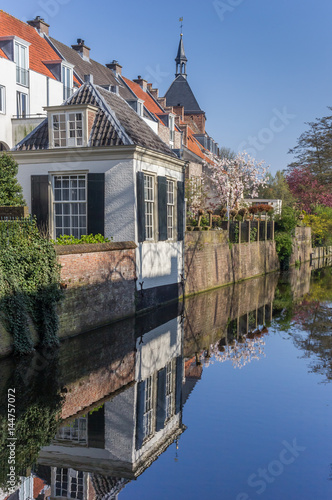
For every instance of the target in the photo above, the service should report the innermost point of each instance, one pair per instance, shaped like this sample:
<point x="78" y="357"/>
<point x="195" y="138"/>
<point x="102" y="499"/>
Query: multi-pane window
<point x="21" y="105"/>
<point x="21" y="59"/>
<point x="75" y="431"/>
<point x="69" y="483"/>
<point x="67" y="81"/>
<point x="170" y="209"/>
<point x="70" y="205"/>
<point x="2" y="99"/>
<point x="169" y="390"/>
<point x="148" y="408"/>
<point x="149" y="200"/>
<point x="67" y="129"/>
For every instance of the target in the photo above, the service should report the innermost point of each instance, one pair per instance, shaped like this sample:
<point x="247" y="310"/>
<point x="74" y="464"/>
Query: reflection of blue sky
<point x="237" y="421"/>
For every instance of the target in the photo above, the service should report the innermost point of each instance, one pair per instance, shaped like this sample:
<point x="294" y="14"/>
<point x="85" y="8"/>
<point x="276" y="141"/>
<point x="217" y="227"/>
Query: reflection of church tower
<point x="179" y="95"/>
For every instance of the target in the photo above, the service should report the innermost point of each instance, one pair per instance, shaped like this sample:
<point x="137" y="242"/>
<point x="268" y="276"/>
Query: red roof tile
<point x="38" y="485"/>
<point x="39" y="50"/>
<point x="149" y="102"/>
<point x="194" y="145"/>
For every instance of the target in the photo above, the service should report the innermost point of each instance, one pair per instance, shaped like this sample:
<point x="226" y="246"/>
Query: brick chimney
<point x="115" y="67"/>
<point x="141" y="82"/>
<point x="153" y="92"/>
<point x="40" y="25"/>
<point x="82" y="49"/>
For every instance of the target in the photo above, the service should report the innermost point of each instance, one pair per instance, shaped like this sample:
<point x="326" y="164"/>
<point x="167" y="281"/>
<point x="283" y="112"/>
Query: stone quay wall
<point x="211" y="261"/>
<point x="99" y="285"/>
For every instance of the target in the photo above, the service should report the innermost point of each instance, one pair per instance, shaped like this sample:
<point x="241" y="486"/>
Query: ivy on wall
<point x="29" y="284"/>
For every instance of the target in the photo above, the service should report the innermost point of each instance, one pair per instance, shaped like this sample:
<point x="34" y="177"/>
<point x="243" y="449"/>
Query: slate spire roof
<point x="180" y="94"/>
<point x="115" y="123"/>
<point x="181" y="56"/>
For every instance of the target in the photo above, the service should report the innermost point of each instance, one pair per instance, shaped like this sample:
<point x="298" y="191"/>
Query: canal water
<point x="227" y="396"/>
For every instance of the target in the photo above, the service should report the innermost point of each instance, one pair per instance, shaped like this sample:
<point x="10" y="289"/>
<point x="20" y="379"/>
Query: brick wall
<point x="14" y="211"/>
<point x="210" y="261"/>
<point x="99" y="285"/>
<point x="98" y="282"/>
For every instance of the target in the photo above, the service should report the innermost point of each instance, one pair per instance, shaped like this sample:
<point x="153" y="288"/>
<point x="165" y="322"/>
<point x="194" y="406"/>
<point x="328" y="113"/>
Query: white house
<point x="31" y="77"/>
<point x="94" y="166"/>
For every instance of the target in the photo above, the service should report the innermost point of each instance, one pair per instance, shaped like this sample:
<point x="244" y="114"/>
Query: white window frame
<point x="2" y="99"/>
<point x="169" y="391"/>
<point x="170" y="191"/>
<point x="140" y="107"/>
<point x="67" y="205"/>
<point x="61" y="135"/>
<point x="75" y="432"/>
<point x="148" y="415"/>
<point x="149" y="206"/>
<point x="22" y="63"/>
<point x="171" y="122"/>
<point x="67" y="80"/>
<point x="19" y="107"/>
<point x="64" y="487"/>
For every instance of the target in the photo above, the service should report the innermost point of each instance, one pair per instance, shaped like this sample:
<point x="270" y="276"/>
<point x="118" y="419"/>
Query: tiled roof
<point x="194" y="145"/>
<point x="115" y="124"/>
<point x="149" y="102"/>
<point x="101" y="74"/>
<point x="39" y="50"/>
<point x="180" y="94"/>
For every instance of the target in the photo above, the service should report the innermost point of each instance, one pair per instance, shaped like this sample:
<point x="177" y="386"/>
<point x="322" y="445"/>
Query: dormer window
<point x="67" y="80"/>
<point x="140" y="107"/>
<point x="171" y="128"/>
<point x="21" y="58"/>
<point x="67" y="130"/>
<point x="70" y="125"/>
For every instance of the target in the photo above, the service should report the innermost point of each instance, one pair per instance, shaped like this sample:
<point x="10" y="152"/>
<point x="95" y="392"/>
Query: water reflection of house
<point x="96" y="454"/>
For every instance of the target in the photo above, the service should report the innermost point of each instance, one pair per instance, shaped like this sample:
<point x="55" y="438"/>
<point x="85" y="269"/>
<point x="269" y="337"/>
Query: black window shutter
<point x="162" y="208"/>
<point x="180" y="211"/>
<point x="178" y="384"/>
<point x="140" y="414"/>
<point x="96" y="204"/>
<point x="39" y="200"/>
<point x="140" y="206"/>
<point x="161" y="400"/>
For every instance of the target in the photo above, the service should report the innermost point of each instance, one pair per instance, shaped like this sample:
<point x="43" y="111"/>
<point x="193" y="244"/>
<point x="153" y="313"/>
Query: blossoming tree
<point x="232" y="177"/>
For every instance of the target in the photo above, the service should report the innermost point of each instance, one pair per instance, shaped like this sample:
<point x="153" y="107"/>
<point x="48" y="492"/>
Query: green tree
<point x="10" y="189"/>
<point x="277" y="189"/>
<point x="314" y="149"/>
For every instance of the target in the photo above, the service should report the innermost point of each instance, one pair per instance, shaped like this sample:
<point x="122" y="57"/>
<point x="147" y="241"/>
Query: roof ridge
<point x="110" y="113"/>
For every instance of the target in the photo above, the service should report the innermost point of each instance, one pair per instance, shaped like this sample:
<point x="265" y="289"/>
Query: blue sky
<point x="258" y="68"/>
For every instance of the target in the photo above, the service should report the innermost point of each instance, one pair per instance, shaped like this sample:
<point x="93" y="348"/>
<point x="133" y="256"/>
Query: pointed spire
<point x="181" y="60"/>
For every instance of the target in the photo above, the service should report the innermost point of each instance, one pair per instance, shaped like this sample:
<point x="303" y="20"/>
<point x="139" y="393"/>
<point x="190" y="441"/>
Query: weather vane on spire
<point x="181" y="26"/>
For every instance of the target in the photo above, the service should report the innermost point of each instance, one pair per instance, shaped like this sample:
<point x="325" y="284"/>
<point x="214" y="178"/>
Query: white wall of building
<point x="160" y="263"/>
<point x="7" y="80"/>
<point x="41" y="92"/>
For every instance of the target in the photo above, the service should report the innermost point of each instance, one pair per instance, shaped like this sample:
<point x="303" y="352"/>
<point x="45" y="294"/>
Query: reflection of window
<point x="67" y="81"/>
<point x="169" y="391"/>
<point x="67" y="129"/>
<point x="2" y="99"/>
<point x="170" y="209"/>
<point x="69" y="484"/>
<point x="21" y="59"/>
<point x="149" y="206"/>
<point x="70" y="205"/>
<point x="21" y="105"/>
<point x="148" y="408"/>
<point x="75" y="431"/>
